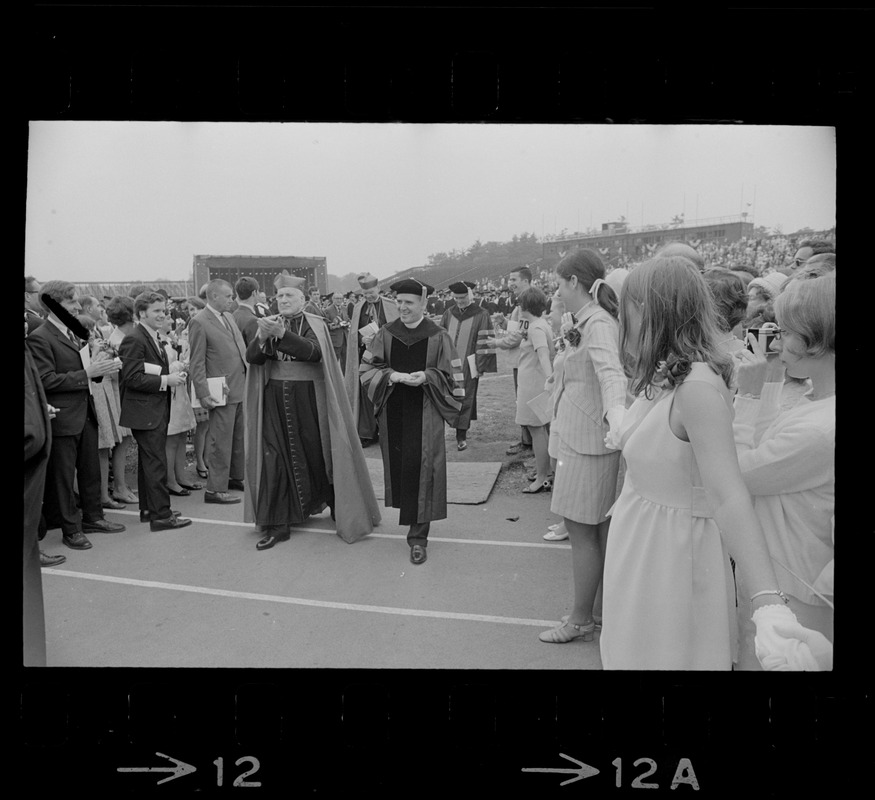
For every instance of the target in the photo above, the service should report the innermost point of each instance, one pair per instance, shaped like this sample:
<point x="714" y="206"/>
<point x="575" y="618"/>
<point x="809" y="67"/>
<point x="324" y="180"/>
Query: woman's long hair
<point x="588" y="268"/>
<point x="679" y="323"/>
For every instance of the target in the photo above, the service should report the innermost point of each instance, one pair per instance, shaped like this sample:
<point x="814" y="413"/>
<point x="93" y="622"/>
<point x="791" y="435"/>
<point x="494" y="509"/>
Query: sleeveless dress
<point x="669" y="597"/>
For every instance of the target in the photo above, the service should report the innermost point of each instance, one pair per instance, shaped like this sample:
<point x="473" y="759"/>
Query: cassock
<point x="412" y="417"/>
<point x="464" y="326"/>
<point x="302" y="449"/>
<point x="365" y="312"/>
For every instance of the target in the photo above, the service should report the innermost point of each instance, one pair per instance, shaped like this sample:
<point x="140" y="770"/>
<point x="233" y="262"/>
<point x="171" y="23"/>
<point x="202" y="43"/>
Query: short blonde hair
<point x="808" y="309"/>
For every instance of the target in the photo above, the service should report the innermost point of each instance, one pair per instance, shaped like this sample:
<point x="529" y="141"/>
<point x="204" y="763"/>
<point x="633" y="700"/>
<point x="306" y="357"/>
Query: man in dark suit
<point x="338" y="327"/>
<point x="249" y="307"/>
<point x="37" y="446"/>
<point x="33" y="312"/>
<point x="218" y="350"/>
<point x="55" y="347"/>
<point x="145" y="409"/>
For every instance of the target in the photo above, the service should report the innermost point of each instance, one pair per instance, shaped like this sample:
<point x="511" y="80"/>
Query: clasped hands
<point x="101" y="365"/>
<point x="270" y="327"/>
<point x="408" y="378"/>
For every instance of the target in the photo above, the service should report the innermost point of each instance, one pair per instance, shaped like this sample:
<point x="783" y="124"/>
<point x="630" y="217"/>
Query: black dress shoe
<point x="146" y="516"/>
<point x="169" y="524"/>
<point x="236" y="485"/>
<point x="183" y="492"/>
<point x="220" y="497"/>
<point x="418" y="554"/>
<point x="45" y="560"/>
<point x="77" y="541"/>
<point x="102" y="526"/>
<point x="271" y="539"/>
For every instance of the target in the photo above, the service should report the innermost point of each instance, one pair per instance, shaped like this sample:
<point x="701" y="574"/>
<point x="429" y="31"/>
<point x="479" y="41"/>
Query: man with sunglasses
<point x="807" y="249"/>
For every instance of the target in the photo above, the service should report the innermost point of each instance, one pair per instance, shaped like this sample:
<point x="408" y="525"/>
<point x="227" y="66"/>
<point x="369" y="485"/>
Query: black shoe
<point x="169" y="524"/>
<point x="102" y="526"/>
<point x="146" y="516"/>
<point x="45" y="560"/>
<point x="418" y="554"/>
<point x="271" y="539"/>
<point x="236" y="485"/>
<point x="220" y="497"/>
<point x="77" y="541"/>
<point x="183" y="492"/>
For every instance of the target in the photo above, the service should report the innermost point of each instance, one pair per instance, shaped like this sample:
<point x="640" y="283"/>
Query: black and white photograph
<point x="487" y="260"/>
<point x="442" y="394"/>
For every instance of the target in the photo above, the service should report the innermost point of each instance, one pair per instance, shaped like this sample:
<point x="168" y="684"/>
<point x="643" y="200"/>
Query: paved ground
<point x="204" y="596"/>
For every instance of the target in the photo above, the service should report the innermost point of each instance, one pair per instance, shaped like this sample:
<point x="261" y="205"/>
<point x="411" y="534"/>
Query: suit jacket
<point x="246" y="322"/>
<point x="63" y="378"/>
<point x="33" y="320"/>
<point x="333" y="316"/>
<point x="589" y="382"/>
<point x="142" y="401"/>
<point x="214" y="352"/>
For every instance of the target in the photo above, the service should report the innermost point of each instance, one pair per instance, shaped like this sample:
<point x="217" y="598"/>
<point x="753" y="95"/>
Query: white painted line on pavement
<point x="300" y="601"/>
<point x="496" y="542"/>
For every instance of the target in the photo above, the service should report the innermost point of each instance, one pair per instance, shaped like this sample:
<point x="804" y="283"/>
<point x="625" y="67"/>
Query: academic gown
<point x="464" y="325"/>
<point x="362" y="410"/>
<point x="412" y="417"/>
<point x="302" y="450"/>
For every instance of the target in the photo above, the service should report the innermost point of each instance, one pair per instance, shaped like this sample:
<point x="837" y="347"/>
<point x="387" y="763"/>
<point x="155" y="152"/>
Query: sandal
<point x="546" y="486"/>
<point x="553" y="536"/>
<point x="595" y="619"/>
<point x="202" y="473"/>
<point x="568" y="632"/>
<point x="463" y="445"/>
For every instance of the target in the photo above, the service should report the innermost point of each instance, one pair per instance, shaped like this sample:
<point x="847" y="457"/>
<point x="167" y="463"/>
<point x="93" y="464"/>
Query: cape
<point x="356" y="509"/>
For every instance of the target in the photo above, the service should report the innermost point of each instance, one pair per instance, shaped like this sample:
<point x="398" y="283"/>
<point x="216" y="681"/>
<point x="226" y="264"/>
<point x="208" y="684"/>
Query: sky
<point x="126" y="201"/>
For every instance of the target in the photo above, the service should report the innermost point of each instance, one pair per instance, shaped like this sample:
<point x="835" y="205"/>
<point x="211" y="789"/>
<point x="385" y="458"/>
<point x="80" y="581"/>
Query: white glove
<point x="783" y="645"/>
<point x="615" y="420"/>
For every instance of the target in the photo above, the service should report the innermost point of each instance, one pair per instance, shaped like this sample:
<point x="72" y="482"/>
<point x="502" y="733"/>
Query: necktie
<point x="225" y="322"/>
<point x="73" y="338"/>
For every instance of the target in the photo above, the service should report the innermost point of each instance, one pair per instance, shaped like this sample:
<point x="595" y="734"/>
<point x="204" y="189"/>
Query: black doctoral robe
<point x="413" y="417"/>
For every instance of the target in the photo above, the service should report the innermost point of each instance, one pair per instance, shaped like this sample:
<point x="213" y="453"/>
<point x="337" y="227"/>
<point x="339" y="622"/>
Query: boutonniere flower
<point x="569" y="329"/>
<point x="671" y="372"/>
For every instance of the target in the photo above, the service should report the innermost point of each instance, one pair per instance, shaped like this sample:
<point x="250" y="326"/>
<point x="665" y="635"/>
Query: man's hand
<point x="97" y="369"/>
<point x="415" y="379"/>
<point x="176" y="379"/>
<point x="208" y="403"/>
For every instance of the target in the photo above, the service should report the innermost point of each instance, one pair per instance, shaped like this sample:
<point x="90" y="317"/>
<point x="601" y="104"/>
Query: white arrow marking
<point x="584" y="771"/>
<point x="178" y="771"/>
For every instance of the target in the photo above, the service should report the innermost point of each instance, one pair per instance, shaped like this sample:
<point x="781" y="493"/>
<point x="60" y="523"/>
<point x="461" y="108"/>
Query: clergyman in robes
<point x="407" y="373"/>
<point x="302" y="450"/>
<point x="371" y="313"/>
<point x="468" y="325"/>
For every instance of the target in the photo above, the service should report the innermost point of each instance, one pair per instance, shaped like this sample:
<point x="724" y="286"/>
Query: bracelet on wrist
<point x="778" y="592"/>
